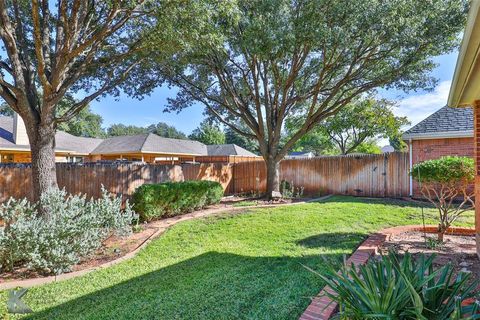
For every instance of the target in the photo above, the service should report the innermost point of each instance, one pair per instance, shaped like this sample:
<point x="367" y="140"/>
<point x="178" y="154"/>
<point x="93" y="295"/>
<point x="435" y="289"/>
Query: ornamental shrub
<point x="401" y="288"/>
<point x="71" y="228"/>
<point x="446" y="183"/>
<point x="156" y="201"/>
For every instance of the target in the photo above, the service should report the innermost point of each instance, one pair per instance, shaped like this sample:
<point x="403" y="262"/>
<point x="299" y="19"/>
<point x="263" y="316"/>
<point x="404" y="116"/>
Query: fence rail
<point x="363" y="175"/>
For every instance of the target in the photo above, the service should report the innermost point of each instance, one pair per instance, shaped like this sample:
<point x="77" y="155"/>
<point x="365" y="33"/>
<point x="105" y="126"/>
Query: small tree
<point x="445" y="182"/>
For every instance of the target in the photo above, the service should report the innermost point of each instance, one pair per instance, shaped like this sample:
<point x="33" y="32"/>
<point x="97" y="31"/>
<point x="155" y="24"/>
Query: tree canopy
<point x="261" y="62"/>
<point x="208" y="134"/>
<point x="53" y="48"/>
<point x="362" y="120"/>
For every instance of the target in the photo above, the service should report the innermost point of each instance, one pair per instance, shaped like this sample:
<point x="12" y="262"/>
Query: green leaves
<point x="449" y="169"/>
<point x="390" y="288"/>
<point x="162" y="200"/>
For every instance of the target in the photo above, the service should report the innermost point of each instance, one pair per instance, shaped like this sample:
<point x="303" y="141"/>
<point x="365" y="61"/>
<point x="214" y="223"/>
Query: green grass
<point x="245" y="203"/>
<point x="243" y="266"/>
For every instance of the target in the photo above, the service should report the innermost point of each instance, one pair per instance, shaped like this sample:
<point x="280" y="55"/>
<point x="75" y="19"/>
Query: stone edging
<point x="160" y="225"/>
<point x="322" y="307"/>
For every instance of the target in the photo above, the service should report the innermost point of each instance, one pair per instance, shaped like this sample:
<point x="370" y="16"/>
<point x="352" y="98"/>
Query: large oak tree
<point x="262" y="61"/>
<point x="53" y="48"/>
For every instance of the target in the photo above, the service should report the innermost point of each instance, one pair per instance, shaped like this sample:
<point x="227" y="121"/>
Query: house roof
<point x="142" y="143"/>
<point x="65" y="142"/>
<point x="228" y="150"/>
<point x="444" y="123"/>
<point x="150" y="143"/>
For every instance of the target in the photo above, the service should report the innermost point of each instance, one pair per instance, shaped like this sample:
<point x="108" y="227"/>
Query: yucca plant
<point x="393" y="288"/>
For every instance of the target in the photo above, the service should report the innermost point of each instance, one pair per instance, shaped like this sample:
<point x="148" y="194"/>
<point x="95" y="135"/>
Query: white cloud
<point x="418" y="107"/>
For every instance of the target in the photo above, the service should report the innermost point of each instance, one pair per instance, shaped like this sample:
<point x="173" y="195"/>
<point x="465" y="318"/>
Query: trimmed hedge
<point x="162" y="200"/>
<point x="449" y="169"/>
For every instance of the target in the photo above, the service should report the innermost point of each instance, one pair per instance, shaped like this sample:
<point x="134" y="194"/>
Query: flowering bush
<point x="70" y="228"/>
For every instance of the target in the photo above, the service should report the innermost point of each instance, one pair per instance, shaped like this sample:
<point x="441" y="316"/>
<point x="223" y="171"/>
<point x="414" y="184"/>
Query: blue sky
<point x="415" y="105"/>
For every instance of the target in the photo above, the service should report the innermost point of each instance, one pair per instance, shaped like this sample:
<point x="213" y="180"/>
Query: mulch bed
<point x="459" y="250"/>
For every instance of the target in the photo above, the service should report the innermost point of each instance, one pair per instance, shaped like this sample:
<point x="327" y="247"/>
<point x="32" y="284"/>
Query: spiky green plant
<point x="398" y="289"/>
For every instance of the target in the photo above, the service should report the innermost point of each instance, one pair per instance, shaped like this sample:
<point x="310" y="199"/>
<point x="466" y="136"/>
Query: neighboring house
<point x="448" y="131"/>
<point x="300" y="155"/>
<point x="150" y="148"/>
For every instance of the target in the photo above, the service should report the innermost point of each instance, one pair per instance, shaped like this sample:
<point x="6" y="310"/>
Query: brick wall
<point x="435" y="148"/>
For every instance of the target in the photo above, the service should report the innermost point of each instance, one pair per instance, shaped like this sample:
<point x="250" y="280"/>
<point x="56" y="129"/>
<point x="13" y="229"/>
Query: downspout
<point x="411" y="165"/>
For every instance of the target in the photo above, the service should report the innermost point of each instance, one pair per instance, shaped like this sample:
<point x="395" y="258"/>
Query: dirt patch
<point x="459" y="250"/>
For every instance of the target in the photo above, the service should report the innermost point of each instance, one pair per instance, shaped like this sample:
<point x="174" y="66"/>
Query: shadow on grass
<point x="324" y="240"/>
<point x="209" y="286"/>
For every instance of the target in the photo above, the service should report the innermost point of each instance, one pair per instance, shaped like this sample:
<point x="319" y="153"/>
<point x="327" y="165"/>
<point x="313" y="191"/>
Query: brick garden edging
<point x="161" y="226"/>
<point x="322" y="307"/>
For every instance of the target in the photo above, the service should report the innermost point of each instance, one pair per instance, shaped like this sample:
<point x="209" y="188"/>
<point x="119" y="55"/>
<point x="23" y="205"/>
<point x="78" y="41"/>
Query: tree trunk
<point x="440" y="235"/>
<point x="42" y="145"/>
<point x="442" y="228"/>
<point x="273" y="179"/>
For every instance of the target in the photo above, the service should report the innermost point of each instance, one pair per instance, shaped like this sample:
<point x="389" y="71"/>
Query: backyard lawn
<point x="242" y="266"/>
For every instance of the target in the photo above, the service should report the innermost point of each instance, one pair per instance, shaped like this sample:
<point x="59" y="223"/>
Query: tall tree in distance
<point x="208" y="134"/>
<point x="120" y="129"/>
<point x="360" y="121"/>
<point x="164" y="130"/>
<point x="57" y="47"/>
<point x="261" y="62"/>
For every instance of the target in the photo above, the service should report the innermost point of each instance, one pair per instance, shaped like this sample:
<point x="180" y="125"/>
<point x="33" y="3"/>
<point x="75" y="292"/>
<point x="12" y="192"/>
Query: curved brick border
<point x="322" y="307"/>
<point x="161" y="226"/>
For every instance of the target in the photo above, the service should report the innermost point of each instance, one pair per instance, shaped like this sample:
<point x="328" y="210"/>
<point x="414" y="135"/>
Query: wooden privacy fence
<point x="384" y="175"/>
<point x="15" y="179"/>
<point x="362" y="175"/>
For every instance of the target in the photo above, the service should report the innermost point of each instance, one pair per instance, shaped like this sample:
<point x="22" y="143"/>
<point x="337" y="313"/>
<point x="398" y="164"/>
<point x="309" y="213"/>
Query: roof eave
<point x="438" y="135"/>
<point x="465" y="88"/>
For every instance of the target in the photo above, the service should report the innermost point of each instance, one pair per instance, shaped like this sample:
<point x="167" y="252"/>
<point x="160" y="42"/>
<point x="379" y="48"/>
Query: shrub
<point x="443" y="181"/>
<point x="155" y="201"/>
<point x="408" y="289"/>
<point x="70" y="229"/>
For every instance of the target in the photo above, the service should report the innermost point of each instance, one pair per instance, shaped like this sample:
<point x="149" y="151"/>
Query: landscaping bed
<point x="228" y="266"/>
<point x="116" y="247"/>
<point x="459" y="250"/>
<point x="113" y="248"/>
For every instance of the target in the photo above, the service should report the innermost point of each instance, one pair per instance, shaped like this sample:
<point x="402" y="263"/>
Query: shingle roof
<point x="82" y="145"/>
<point x="446" y="122"/>
<point x="121" y="144"/>
<point x="228" y="150"/>
<point x="155" y="143"/>
<point x="64" y="141"/>
<point x="149" y="142"/>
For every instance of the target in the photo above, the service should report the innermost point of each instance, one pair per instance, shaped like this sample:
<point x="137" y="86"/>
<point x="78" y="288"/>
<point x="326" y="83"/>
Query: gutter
<point x="438" y="135"/>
